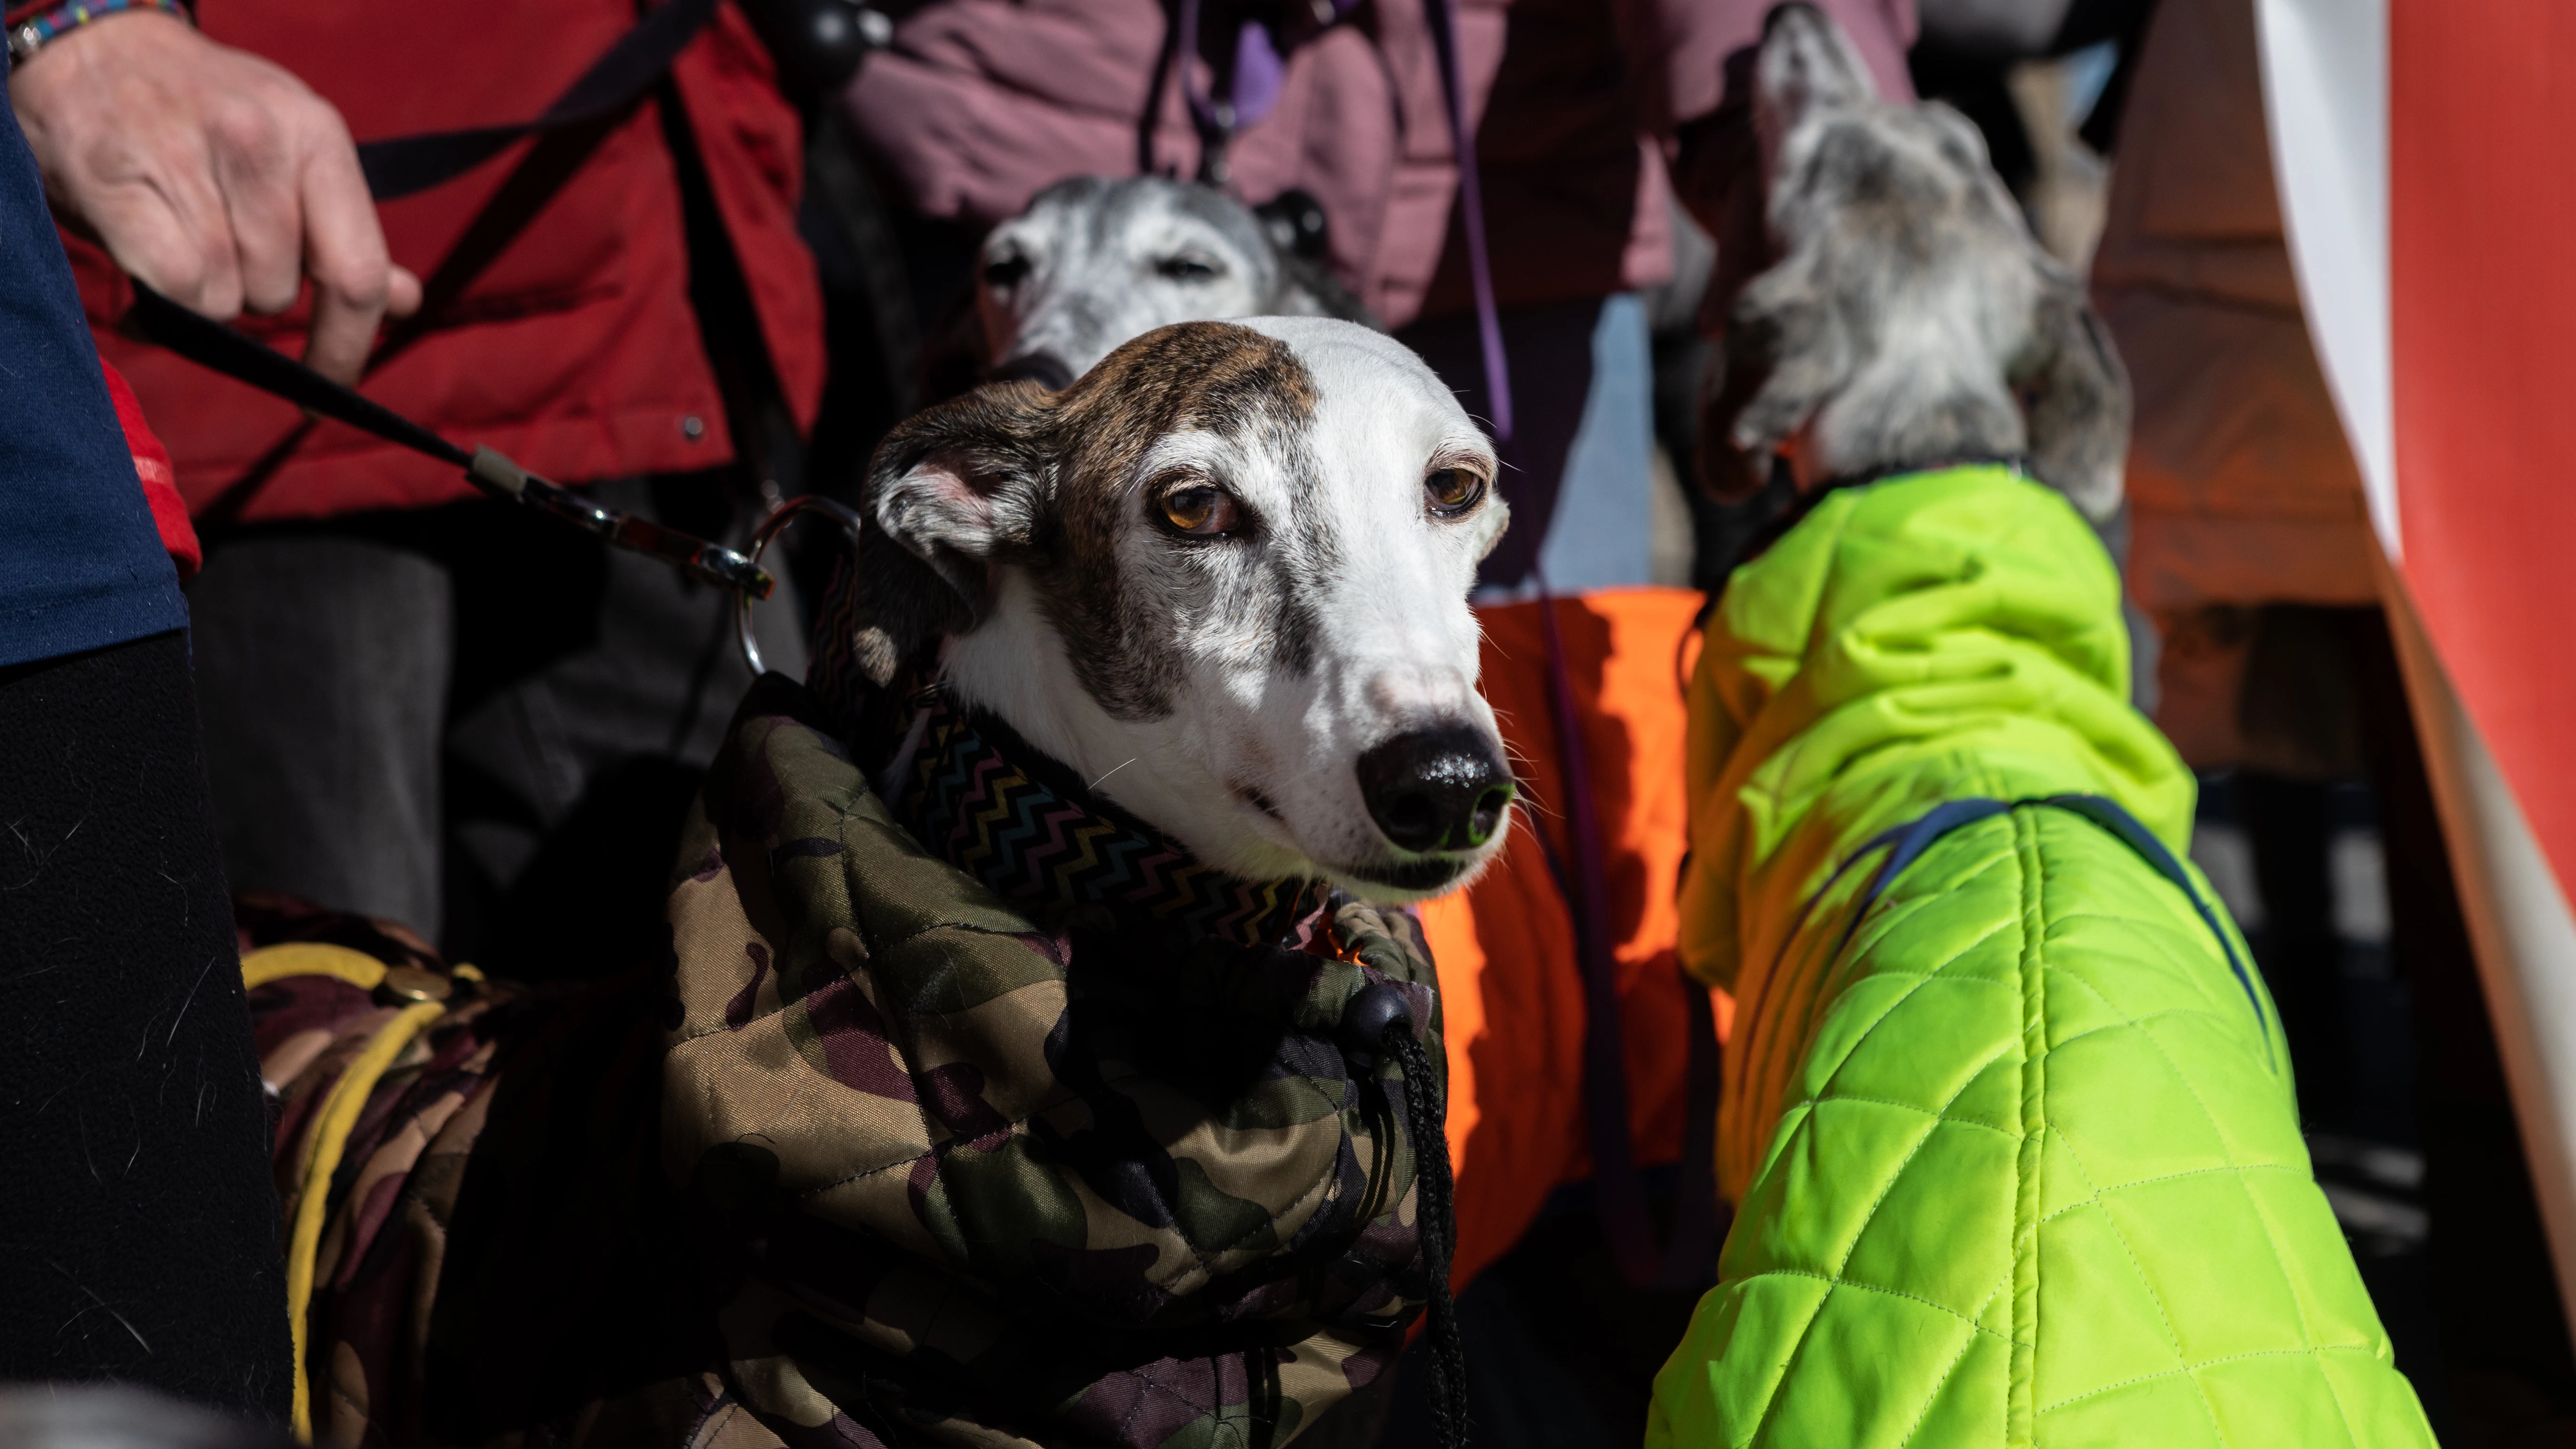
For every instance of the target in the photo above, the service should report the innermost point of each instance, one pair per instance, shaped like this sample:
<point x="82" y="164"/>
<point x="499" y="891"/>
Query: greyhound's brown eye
<point x="1454" y="491"/>
<point x="1201" y="510"/>
<point x="1006" y="271"/>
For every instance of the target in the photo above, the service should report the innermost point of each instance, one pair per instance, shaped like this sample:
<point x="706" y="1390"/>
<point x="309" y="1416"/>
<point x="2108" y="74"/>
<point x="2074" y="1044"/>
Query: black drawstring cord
<point x="1378" y="1019"/>
<point x="1425" y="1112"/>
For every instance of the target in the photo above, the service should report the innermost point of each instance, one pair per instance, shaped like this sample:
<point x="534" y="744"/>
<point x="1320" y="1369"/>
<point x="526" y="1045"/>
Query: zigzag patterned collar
<point x="996" y="808"/>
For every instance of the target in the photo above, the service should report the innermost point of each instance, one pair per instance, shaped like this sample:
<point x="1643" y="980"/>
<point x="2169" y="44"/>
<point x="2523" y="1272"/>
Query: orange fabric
<point x="1511" y="987"/>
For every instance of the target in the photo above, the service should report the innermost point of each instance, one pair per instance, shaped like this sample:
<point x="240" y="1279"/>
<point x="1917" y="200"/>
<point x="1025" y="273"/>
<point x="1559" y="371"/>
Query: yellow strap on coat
<point x="328" y="1136"/>
<point x="311" y="958"/>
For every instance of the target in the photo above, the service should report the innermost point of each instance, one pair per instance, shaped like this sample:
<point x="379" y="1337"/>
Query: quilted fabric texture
<point x="2019" y="1162"/>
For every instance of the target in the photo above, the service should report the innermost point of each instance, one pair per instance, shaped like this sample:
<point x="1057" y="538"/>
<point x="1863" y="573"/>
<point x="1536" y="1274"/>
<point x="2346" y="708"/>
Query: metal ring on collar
<point x="785" y="513"/>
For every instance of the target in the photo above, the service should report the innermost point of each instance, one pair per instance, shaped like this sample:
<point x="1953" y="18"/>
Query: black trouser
<point x="471" y="719"/>
<point x="138" y="1227"/>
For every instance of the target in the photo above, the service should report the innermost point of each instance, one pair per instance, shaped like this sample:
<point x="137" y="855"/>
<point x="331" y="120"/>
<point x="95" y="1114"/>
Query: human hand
<point x="213" y="176"/>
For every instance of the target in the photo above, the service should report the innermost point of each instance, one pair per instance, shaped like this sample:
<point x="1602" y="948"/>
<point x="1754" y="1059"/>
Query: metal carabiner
<point x="852" y="523"/>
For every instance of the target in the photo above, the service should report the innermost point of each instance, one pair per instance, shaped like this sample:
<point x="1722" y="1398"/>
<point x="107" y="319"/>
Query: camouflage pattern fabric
<point x="882" y="1158"/>
<point x="994" y="1171"/>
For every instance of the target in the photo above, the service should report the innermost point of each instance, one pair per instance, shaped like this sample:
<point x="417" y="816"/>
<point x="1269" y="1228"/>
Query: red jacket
<point x="576" y="351"/>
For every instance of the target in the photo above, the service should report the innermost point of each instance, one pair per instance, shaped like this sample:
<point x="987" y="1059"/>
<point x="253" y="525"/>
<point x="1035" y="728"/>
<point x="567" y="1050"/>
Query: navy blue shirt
<point x="81" y="565"/>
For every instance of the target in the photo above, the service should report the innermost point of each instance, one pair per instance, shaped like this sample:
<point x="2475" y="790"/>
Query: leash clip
<point x="776" y="523"/>
<point x="707" y="562"/>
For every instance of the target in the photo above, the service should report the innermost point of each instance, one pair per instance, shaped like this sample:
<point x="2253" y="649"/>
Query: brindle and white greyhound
<point x="1224" y="577"/>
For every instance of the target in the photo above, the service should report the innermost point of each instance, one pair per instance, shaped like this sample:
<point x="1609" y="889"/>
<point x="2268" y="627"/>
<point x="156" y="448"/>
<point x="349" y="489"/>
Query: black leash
<point x="820" y="41"/>
<point x="403" y="165"/>
<point x="214" y="345"/>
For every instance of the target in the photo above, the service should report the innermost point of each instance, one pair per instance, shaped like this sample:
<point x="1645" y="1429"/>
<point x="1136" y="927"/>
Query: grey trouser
<point x="426" y="716"/>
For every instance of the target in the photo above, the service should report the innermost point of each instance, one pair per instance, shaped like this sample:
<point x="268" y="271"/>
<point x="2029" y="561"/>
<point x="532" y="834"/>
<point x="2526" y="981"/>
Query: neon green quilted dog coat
<point x="2017" y="1162"/>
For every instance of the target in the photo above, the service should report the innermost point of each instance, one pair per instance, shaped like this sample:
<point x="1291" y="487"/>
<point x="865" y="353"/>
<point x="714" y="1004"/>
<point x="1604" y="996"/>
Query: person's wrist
<point x="33" y="26"/>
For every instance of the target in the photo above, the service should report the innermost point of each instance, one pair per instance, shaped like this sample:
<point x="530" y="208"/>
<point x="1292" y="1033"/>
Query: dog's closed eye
<point x="1187" y="269"/>
<point x="1200" y="509"/>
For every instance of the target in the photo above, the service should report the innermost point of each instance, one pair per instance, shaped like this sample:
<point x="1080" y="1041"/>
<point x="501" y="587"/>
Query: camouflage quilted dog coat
<point x="886" y="1156"/>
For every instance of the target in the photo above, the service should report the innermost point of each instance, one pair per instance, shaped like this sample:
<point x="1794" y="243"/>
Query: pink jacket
<point x="980" y="103"/>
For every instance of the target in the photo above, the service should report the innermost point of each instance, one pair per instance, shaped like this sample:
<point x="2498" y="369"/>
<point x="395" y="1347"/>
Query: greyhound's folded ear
<point x="953" y="490"/>
<point x="1786" y="351"/>
<point x="2075" y="396"/>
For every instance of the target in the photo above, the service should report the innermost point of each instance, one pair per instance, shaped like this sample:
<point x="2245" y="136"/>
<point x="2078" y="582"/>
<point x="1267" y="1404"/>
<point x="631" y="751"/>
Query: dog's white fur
<point x="1395" y="646"/>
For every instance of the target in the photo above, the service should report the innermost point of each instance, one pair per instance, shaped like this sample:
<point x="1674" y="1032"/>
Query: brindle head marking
<point x="1232" y="677"/>
<point x="1910" y="317"/>
<point x="1095" y="261"/>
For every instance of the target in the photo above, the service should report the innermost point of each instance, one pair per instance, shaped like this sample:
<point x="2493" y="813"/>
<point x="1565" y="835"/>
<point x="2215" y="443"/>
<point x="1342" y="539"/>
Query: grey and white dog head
<point x="1911" y="318"/>
<point x="1223" y="576"/>
<point x="1095" y="261"/>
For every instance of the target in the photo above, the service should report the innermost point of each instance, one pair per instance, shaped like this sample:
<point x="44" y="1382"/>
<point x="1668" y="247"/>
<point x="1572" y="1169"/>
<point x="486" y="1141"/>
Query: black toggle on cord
<point x="211" y="344"/>
<point x="1426" y="1113"/>
<point x="1376" y="1020"/>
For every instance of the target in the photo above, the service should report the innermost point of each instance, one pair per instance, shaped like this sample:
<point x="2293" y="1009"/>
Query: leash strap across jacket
<point x="402" y="165"/>
<point x="1906" y="844"/>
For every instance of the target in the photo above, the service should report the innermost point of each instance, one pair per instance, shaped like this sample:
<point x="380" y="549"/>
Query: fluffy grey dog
<point x="1094" y="262"/>
<point x="1910" y="319"/>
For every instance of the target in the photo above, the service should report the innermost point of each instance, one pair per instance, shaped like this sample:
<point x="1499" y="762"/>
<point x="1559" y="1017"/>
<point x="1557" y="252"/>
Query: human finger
<point x="345" y="255"/>
<point x="166" y="224"/>
<point x="252" y="164"/>
<point x="402" y="292"/>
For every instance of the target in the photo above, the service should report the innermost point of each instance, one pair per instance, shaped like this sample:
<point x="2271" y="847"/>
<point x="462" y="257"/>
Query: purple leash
<point x="1254" y="89"/>
<point x="1619" y="1191"/>
<point x="1442" y="18"/>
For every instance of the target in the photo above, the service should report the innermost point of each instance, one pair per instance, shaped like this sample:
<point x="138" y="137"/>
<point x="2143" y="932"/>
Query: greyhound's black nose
<point x="1441" y="788"/>
<point x="1043" y="368"/>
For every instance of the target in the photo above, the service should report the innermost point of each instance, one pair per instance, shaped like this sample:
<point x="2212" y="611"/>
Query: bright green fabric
<point x="2020" y="1165"/>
